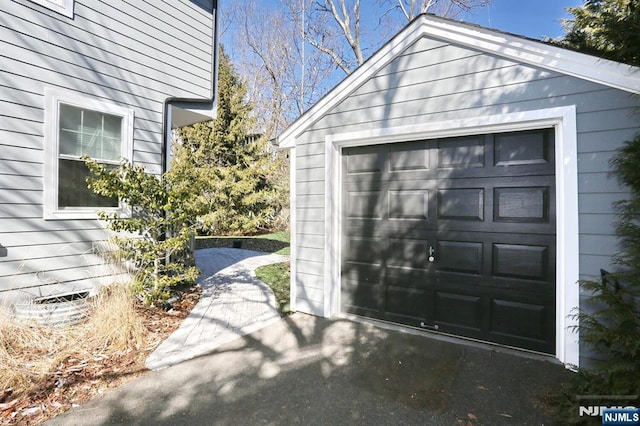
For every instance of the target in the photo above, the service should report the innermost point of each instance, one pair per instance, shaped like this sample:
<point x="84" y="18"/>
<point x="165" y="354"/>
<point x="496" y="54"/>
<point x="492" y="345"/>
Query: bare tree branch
<point x="344" y="21"/>
<point x="336" y="58"/>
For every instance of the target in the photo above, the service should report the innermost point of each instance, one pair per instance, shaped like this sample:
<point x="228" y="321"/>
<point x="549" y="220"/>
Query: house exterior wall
<point x="126" y="54"/>
<point x="433" y="81"/>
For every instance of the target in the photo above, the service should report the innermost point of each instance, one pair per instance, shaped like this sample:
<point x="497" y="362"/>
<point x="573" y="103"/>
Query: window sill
<point x="79" y="214"/>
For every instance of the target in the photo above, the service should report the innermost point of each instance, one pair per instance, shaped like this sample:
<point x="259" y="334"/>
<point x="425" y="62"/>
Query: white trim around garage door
<point x="563" y="119"/>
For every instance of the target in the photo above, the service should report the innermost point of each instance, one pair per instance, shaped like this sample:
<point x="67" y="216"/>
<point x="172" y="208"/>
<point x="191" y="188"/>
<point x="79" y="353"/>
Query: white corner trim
<point x="293" y="243"/>
<point x="64" y="7"/>
<point x="53" y="97"/>
<point x="563" y="119"/>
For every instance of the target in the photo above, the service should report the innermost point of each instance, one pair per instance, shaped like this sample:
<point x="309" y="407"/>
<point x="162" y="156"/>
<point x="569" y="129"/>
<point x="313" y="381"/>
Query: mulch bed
<point x="78" y="380"/>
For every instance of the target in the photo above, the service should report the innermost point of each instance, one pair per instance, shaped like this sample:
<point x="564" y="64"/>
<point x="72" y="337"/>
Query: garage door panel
<point x="361" y="272"/>
<point x="369" y="159"/>
<point x="364" y="250"/>
<point x="407" y="278"/>
<point x="409" y="204"/>
<point x="532" y="320"/>
<point x="461" y="204"/>
<point x="523" y="148"/>
<point x="458" y="310"/>
<point x="463" y="152"/>
<point x="521" y="261"/>
<point x="362" y="298"/>
<point x="528" y="204"/>
<point x="406" y="303"/>
<point x="409" y="156"/>
<point x="463" y="257"/>
<point x="408" y="253"/>
<point x="364" y="204"/>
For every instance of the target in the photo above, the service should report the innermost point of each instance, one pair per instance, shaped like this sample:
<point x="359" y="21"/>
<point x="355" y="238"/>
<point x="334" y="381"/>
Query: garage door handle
<point x="432" y="254"/>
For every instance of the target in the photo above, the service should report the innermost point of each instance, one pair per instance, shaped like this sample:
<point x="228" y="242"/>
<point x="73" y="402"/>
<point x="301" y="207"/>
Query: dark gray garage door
<point x="456" y="235"/>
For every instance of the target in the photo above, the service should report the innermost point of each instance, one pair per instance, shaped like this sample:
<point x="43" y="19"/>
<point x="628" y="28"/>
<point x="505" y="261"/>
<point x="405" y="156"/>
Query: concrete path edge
<point x="234" y="303"/>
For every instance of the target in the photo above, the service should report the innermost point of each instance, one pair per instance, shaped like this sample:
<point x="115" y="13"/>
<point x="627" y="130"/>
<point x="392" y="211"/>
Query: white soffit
<point x="519" y="49"/>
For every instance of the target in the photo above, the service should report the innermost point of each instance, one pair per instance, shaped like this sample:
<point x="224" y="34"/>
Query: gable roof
<point x="520" y="49"/>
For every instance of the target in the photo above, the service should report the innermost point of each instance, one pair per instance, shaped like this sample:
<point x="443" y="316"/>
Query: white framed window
<point x="64" y="7"/>
<point x="76" y="125"/>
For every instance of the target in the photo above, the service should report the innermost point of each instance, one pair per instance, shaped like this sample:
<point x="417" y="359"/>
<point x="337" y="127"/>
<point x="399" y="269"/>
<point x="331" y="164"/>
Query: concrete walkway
<point x="233" y="303"/>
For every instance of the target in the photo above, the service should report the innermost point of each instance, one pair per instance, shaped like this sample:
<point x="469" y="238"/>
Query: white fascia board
<point x="553" y="58"/>
<point x="580" y="65"/>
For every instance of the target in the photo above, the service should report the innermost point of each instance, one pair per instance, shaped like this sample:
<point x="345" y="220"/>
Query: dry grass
<point x="27" y="354"/>
<point x="44" y="371"/>
<point x="115" y="323"/>
<point x="32" y="355"/>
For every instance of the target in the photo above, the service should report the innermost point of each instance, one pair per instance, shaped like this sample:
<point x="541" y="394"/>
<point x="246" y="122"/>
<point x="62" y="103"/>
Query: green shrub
<point x="156" y="233"/>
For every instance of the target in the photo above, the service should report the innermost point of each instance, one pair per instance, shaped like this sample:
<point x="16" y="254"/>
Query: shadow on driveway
<point x="309" y="370"/>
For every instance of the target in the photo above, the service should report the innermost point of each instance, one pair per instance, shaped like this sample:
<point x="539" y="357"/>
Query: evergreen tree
<point x="225" y="168"/>
<point x="613" y="328"/>
<point x="607" y="28"/>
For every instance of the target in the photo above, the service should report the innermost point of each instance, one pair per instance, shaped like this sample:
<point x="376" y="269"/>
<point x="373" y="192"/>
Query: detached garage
<point x="458" y="182"/>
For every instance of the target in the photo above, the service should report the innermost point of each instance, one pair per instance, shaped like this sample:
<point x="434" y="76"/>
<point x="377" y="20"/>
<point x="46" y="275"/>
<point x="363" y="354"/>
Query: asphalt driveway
<point x="309" y="370"/>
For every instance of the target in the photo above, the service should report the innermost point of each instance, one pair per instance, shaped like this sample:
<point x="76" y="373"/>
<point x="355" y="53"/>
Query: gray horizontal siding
<point x="310" y="240"/>
<point x="313" y="161"/>
<point x="604" y="141"/>
<point x="602" y="223"/>
<point x="310" y="254"/>
<point x="313" y="287"/>
<point x="432" y="81"/>
<point x="598" y="183"/>
<point x="600" y="203"/>
<point x="11" y="196"/>
<point x="310" y="293"/>
<point x="591" y="264"/>
<point x="17" y="183"/>
<point x="82" y="66"/>
<point x="43" y="236"/>
<point x="22" y="210"/>
<point x="20" y="153"/>
<point x="310" y="227"/>
<point x="114" y="36"/>
<point x="22" y="78"/>
<point x="130" y="54"/>
<point x="20" y="168"/>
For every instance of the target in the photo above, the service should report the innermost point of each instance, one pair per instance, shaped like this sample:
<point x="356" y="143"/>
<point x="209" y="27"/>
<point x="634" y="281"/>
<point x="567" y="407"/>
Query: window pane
<point x="72" y="187"/>
<point x="92" y="133"/>
<point x="112" y="126"/>
<point x="110" y="149"/>
<point x="70" y="142"/>
<point x="70" y="118"/>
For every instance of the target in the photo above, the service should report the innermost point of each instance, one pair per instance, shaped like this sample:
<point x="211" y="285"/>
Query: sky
<point x="530" y="18"/>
